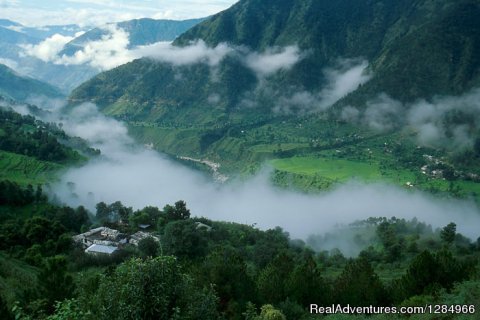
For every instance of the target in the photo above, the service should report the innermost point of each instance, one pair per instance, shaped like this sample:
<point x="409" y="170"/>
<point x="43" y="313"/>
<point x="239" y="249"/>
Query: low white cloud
<point x="273" y="60"/>
<point x="112" y="50"/>
<point x="104" y="54"/>
<point x="214" y="98"/>
<point x="350" y="114"/>
<point x="15" y="28"/>
<point x="451" y="122"/>
<point x="383" y="113"/>
<point x="196" y="52"/>
<point x="299" y="103"/>
<point x="340" y="80"/>
<point x="9" y="63"/>
<point x="140" y="177"/>
<point x="48" y="49"/>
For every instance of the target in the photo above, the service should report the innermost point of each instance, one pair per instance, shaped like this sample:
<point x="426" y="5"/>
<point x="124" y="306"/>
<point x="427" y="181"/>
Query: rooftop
<point x="99" y="248"/>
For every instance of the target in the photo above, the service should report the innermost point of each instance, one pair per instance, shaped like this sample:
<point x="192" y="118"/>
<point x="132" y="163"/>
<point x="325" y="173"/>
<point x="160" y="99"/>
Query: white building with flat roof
<point x="99" y="249"/>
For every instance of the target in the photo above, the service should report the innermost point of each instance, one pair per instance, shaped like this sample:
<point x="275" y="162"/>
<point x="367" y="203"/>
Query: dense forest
<point x="203" y="269"/>
<point x="44" y="141"/>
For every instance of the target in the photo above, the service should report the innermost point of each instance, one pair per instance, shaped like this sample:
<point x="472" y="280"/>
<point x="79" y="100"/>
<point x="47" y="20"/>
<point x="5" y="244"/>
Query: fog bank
<point x="139" y="177"/>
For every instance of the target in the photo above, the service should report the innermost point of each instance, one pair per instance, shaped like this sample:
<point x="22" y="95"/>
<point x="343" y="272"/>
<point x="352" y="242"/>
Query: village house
<point x="100" y="249"/>
<point x="139" y="236"/>
<point x="106" y="241"/>
<point x="101" y="236"/>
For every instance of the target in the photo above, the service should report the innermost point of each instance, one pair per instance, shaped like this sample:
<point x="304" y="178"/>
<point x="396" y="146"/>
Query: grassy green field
<point x="341" y="170"/>
<point x="26" y="170"/>
<point x="329" y="168"/>
<point x="311" y="173"/>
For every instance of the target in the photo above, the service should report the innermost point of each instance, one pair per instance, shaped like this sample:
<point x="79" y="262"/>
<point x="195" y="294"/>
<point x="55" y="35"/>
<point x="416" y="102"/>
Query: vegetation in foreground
<point x="230" y="271"/>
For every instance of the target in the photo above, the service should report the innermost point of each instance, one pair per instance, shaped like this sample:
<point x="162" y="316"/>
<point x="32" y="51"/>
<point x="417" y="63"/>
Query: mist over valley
<point x="247" y="160"/>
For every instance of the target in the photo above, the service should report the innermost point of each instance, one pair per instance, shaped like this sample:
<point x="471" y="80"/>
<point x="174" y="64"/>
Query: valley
<point x="239" y="160"/>
<point x="314" y="155"/>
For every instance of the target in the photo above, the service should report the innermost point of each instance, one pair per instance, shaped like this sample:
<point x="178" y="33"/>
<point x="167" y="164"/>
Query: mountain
<point x="8" y="23"/>
<point x="239" y="113"/>
<point x="20" y="88"/>
<point x="415" y="49"/>
<point x="48" y="31"/>
<point x="141" y="32"/>
<point x="14" y="35"/>
<point x="20" y="33"/>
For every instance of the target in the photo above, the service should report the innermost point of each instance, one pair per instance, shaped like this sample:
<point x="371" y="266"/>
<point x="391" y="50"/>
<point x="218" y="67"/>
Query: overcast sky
<point x="95" y="12"/>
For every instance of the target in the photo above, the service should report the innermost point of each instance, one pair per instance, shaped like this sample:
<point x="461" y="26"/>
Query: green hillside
<point x="33" y="152"/>
<point x="26" y="170"/>
<point x="19" y="88"/>
<point x="416" y="49"/>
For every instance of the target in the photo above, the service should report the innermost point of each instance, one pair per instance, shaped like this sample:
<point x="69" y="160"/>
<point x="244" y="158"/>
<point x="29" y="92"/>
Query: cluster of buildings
<point x="106" y="241"/>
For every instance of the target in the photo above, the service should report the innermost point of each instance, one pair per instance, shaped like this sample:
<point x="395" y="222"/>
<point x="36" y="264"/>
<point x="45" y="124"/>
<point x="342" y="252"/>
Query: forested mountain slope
<point x="416" y="49"/>
<point x="321" y="79"/>
<point x="32" y="151"/>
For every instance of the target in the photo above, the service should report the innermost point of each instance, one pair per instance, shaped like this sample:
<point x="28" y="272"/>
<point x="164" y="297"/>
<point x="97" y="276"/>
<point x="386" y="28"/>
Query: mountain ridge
<point x="141" y="32"/>
<point x="389" y="44"/>
<point x="392" y="58"/>
<point x="67" y="77"/>
<point x="17" y="87"/>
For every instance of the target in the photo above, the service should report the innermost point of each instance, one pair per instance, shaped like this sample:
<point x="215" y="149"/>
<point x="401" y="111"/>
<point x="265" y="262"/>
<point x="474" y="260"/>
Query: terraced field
<point x="341" y="170"/>
<point x="25" y="170"/>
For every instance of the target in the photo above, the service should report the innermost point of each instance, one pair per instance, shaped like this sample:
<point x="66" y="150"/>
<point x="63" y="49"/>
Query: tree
<point x="420" y="275"/>
<point x="450" y="270"/>
<point x="102" y="211"/>
<point x="149" y="247"/>
<point x="69" y="309"/>
<point x="38" y="230"/>
<point x="153" y="212"/>
<point x="4" y="309"/>
<point x="388" y="237"/>
<point x="182" y="239"/>
<point x="139" y="217"/>
<point x="448" y="233"/>
<point x="476" y="147"/>
<point x="151" y="289"/>
<point x="428" y="273"/>
<point x="268" y="312"/>
<point x="177" y="212"/>
<point x="39" y="196"/>
<point x="118" y="211"/>
<point x="305" y="283"/>
<point x="227" y="271"/>
<point x="55" y="282"/>
<point x="271" y="282"/>
<point x="359" y="285"/>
